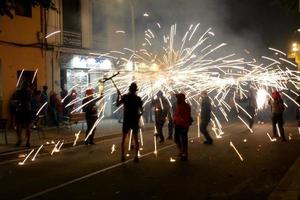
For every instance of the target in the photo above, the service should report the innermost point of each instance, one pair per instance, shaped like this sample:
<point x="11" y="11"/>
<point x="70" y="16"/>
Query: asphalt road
<point x="212" y="172"/>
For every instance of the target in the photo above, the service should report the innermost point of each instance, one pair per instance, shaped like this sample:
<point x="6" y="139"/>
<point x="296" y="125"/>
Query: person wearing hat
<point x="182" y="120"/>
<point x="133" y="109"/>
<point x="91" y="114"/>
<point x="205" y="115"/>
<point x="277" y="108"/>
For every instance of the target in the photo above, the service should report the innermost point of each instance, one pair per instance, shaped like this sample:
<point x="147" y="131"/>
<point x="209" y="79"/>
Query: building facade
<point x="22" y="53"/>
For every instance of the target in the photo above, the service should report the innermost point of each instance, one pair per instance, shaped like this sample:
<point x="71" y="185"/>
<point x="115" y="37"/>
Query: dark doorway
<point x="27" y="76"/>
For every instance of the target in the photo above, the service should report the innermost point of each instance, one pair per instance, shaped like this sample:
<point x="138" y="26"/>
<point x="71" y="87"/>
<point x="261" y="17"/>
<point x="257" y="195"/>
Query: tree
<point x="7" y="5"/>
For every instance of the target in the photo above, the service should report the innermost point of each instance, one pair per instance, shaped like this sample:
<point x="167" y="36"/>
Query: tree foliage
<point x="6" y="6"/>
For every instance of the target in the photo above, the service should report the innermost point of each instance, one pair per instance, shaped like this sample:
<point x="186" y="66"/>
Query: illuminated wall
<point x="19" y="50"/>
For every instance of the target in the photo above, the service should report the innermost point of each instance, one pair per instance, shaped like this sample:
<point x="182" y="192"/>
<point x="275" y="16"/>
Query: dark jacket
<point x="205" y="109"/>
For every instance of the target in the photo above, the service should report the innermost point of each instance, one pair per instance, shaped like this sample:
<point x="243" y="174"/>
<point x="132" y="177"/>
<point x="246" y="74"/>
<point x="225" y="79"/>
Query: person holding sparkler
<point x="91" y="114"/>
<point x="133" y="109"/>
<point x="250" y="107"/>
<point x="277" y="108"/>
<point x="182" y="120"/>
<point x="205" y="116"/>
<point x="161" y="112"/>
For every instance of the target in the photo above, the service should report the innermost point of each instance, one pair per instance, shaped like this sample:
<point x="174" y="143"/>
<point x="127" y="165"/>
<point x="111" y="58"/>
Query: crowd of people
<point x="28" y="104"/>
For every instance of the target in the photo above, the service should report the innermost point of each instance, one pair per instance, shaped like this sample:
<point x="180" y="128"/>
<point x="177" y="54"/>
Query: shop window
<point x="23" y="8"/>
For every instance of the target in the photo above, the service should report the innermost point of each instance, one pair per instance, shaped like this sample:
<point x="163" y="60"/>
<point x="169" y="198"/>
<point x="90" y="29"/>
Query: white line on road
<point x="92" y="174"/>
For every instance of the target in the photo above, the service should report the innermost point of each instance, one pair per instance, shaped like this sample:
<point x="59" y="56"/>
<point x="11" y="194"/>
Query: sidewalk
<point x="107" y="127"/>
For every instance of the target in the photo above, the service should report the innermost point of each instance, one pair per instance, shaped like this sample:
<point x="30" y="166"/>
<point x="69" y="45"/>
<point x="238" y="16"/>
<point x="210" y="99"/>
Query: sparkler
<point x="36" y="153"/>
<point x="232" y="145"/>
<point x="23" y="162"/>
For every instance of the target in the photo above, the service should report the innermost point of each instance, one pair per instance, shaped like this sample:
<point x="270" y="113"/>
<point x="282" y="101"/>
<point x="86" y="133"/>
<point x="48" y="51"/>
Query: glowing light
<point x="141" y="136"/>
<point x="55" y="148"/>
<point x="36" y="153"/>
<point x="130" y="138"/>
<point x="23" y="162"/>
<point x="271" y="139"/>
<point x="113" y="149"/>
<point x="58" y="149"/>
<point x="245" y="140"/>
<point x="120" y="31"/>
<point x="246" y="124"/>
<point x="172" y="160"/>
<point x="155" y="145"/>
<point x="240" y="156"/>
<point x="51" y="34"/>
<point x="20" y="77"/>
<point x="198" y="125"/>
<point x="38" y="112"/>
<point x="76" y="138"/>
<point x="146" y="15"/>
<point x="278" y="131"/>
<point x="261" y="97"/>
<point x="34" y="75"/>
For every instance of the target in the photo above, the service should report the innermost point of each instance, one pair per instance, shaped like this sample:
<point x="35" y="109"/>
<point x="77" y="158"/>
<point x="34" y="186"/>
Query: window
<point x="23" y="8"/>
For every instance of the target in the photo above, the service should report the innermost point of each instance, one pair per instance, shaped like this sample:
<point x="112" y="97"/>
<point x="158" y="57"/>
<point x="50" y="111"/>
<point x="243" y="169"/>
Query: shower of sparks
<point x="232" y="145"/>
<point x="191" y="63"/>
<point x="113" y="149"/>
<point x="76" y="138"/>
<point x="271" y="139"/>
<point x="23" y="162"/>
<point x="130" y="138"/>
<point x="36" y="153"/>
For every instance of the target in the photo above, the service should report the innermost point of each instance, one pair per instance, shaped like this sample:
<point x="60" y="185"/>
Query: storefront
<point x="79" y="72"/>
